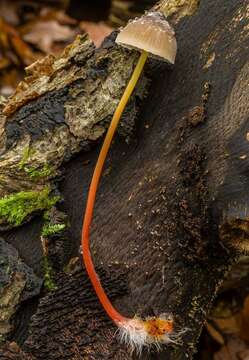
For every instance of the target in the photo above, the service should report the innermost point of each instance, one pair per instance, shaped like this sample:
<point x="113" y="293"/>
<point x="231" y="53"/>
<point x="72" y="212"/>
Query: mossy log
<point x="172" y="214"/>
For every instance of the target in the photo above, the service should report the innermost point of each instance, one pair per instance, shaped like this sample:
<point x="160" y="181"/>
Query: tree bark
<point x="171" y="212"/>
<point x="122" y="10"/>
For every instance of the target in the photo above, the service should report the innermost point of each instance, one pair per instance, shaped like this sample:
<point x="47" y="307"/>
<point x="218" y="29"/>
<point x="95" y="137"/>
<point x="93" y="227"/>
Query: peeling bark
<point x="61" y="107"/>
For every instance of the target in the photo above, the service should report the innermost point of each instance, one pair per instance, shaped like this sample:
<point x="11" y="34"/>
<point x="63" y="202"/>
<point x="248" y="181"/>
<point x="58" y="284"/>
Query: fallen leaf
<point x="11" y="40"/>
<point x="243" y="355"/>
<point x="229" y="325"/>
<point x="43" y="34"/>
<point x="216" y="335"/>
<point x="235" y="349"/>
<point x="9" y="80"/>
<point x="96" y="31"/>
<point x="23" y="50"/>
<point x="8" y="11"/>
<point x="4" y="40"/>
<point x="58" y="15"/>
<point x="4" y="62"/>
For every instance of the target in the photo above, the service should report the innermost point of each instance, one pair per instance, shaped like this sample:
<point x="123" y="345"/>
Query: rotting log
<point x="122" y="10"/>
<point x="61" y="107"/>
<point x="171" y="213"/>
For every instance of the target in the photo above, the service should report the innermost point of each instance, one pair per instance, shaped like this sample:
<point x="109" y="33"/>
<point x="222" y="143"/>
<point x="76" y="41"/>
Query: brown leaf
<point x="97" y="31"/>
<point x="58" y="15"/>
<point x="8" y="11"/>
<point x="224" y="354"/>
<point x="226" y="316"/>
<point x="4" y="41"/>
<point x="216" y="335"/>
<point x="229" y="325"/>
<point x="11" y="40"/>
<point x="4" y="62"/>
<point x="9" y="81"/>
<point x="23" y="50"/>
<point x="244" y="355"/>
<point x="43" y="34"/>
<point x="235" y="349"/>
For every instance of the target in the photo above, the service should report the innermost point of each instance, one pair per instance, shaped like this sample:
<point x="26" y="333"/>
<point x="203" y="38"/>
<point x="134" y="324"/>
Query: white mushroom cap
<point x="151" y="33"/>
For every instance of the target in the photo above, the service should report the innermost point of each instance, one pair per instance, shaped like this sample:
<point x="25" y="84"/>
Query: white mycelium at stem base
<point x="151" y="332"/>
<point x="152" y="35"/>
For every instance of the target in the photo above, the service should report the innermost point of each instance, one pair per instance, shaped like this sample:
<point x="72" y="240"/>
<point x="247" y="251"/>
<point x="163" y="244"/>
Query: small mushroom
<point x="152" y="36"/>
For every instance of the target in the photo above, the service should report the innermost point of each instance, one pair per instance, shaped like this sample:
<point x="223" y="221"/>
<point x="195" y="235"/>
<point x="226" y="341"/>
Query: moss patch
<point x="41" y="171"/>
<point x="27" y="152"/>
<point x="50" y="229"/>
<point x="36" y="173"/>
<point x="16" y="207"/>
<point x="49" y="283"/>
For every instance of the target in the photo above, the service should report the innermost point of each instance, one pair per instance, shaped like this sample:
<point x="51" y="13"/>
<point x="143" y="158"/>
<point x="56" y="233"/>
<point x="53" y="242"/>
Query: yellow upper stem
<point x="116" y="118"/>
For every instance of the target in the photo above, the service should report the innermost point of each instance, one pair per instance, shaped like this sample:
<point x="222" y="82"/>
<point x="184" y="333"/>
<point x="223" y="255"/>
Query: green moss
<point x="36" y="173"/>
<point x="48" y="275"/>
<point x="27" y="152"/>
<point x="46" y="215"/>
<point x="49" y="229"/>
<point x="16" y="207"/>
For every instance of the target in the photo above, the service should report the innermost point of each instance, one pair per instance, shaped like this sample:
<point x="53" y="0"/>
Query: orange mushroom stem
<point x="111" y="311"/>
<point x="134" y="331"/>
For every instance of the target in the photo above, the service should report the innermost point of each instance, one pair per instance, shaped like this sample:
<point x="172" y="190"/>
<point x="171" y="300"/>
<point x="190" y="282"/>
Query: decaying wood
<point x="167" y="201"/>
<point x="61" y="107"/>
<point x="18" y="284"/>
<point x="123" y="10"/>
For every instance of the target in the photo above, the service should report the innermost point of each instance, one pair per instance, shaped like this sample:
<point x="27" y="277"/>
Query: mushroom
<point x="152" y="36"/>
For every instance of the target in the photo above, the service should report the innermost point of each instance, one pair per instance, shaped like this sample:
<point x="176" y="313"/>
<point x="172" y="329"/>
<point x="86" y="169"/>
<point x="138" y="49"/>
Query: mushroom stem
<point x="135" y="332"/>
<point x="103" y="298"/>
<point x="152" y="35"/>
